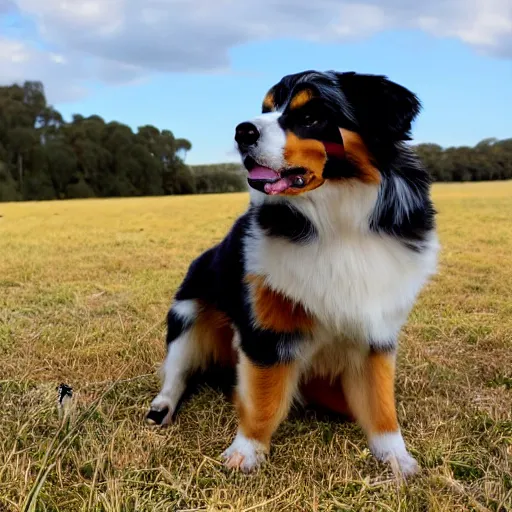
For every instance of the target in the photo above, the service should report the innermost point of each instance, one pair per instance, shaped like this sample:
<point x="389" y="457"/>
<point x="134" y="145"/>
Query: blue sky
<point x="462" y="75"/>
<point x="466" y="96"/>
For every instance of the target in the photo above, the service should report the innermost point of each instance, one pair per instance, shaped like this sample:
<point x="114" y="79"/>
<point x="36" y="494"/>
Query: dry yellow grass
<point x="84" y="288"/>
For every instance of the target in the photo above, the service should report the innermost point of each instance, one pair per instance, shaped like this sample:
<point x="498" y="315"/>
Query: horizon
<point x="199" y="76"/>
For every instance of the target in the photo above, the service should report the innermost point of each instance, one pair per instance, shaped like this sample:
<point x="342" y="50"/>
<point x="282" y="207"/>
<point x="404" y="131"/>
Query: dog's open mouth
<point x="272" y="181"/>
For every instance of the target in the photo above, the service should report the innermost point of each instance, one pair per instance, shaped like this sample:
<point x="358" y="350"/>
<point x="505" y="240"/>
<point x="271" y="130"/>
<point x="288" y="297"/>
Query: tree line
<point x="44" y="157"/>
<point x="490" y="159"/>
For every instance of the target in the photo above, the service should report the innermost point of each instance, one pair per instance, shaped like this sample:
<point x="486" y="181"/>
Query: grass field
<point x="84" y="288"/>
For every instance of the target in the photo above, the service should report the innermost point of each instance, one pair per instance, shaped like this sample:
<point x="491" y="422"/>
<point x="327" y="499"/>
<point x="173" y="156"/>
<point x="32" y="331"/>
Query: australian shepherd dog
<point x="306" y="295"/>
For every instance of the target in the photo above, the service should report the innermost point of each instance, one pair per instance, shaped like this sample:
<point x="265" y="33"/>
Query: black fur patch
<point x="412" y="230"/>
<point x="156" y="417"/>
<point x="267" y="348"/>
<point x="378" y="109"/>
<point x="285" y="221"/>
<point x="336" y="168"/>
<point x="175" y="325"/>
<point x="405" y="211"/>
<point x="216" y="276"/>
<point x="383" y="109"/>
<point x="385" y="347"/>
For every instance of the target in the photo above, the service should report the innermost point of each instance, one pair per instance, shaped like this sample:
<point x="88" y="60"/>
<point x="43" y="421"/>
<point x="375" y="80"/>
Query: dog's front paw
<point x="244" y="454"/>
<point x="160" y="412"/>
<point x="390" y="447"/>
<point x="407" y="464"/>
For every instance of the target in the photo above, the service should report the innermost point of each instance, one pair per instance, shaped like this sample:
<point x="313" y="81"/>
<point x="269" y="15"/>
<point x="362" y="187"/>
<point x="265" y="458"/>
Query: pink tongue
<point x="262" y="173"/>
<point x="279" y="186"/>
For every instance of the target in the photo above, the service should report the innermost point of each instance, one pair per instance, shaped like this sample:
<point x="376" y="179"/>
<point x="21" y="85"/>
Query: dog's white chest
<point x="360" y="286"/>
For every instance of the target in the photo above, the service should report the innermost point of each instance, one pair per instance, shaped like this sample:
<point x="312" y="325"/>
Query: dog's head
<point x="317" y="126"/>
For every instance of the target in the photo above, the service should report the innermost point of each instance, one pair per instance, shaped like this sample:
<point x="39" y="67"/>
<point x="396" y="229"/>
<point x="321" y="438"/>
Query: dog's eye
<point x="309" y="120"/>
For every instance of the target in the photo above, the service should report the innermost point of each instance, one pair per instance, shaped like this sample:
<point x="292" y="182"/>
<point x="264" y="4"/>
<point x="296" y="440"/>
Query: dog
<point x="307" y="293"/>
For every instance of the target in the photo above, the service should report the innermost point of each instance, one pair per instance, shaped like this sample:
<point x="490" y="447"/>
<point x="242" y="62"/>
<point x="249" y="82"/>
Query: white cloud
<point x="20" y="61"/>
<point x="484" y="24"/>
<point x="120" y="41"/>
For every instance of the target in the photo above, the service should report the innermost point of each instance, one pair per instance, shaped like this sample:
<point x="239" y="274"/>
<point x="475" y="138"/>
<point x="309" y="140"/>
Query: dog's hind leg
<point x="197" y="335"/>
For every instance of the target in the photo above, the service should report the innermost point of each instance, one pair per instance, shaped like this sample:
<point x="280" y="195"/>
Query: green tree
<point x="8" y="189"/>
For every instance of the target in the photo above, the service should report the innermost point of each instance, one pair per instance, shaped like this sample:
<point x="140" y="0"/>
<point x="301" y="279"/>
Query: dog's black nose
<point x="246" y="134"/>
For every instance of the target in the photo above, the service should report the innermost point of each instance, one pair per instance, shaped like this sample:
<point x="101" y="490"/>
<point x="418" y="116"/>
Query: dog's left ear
<point x="383" y="109"/>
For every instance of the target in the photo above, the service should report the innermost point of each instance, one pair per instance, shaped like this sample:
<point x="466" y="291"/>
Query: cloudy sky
<point x="198" y="67"/>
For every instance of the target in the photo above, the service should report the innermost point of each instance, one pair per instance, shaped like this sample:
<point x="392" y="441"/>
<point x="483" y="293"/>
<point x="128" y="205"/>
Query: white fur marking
<point x="237" y="340"/>
<point x="186" y="309"/>
<point x="270" y="146"/>
<point x="244" y="453"/>
<point x="359" y="285"/>
<point x="390" y="447"/>
<point x="181" y="357"/>
<point x="407" y="201"/>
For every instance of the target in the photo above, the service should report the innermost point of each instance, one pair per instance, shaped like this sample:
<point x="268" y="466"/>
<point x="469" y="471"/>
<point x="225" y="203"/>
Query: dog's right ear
<point x="383" y="109"/>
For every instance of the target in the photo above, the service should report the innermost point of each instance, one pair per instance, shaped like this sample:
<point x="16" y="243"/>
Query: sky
<point x="199" y="67"/>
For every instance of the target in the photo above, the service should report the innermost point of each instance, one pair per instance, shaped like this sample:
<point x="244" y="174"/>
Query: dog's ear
<point x="383" y="109"/>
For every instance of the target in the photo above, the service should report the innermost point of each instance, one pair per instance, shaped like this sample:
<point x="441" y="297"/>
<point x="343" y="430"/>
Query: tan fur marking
<point x="301" y="98"/>
<point x="381" y="380"/>
<point x="309" y="154"/>
<point x="268" y="101"/>
<point x="264" y="397"/>
<point x="276" y="312"/>
<point x="369" y="390"/>
<point x="357" y="153"/>
<point x="213" y="333"/>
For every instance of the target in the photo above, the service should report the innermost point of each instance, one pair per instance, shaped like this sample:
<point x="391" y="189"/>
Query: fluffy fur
<point x="306" y="295"/>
